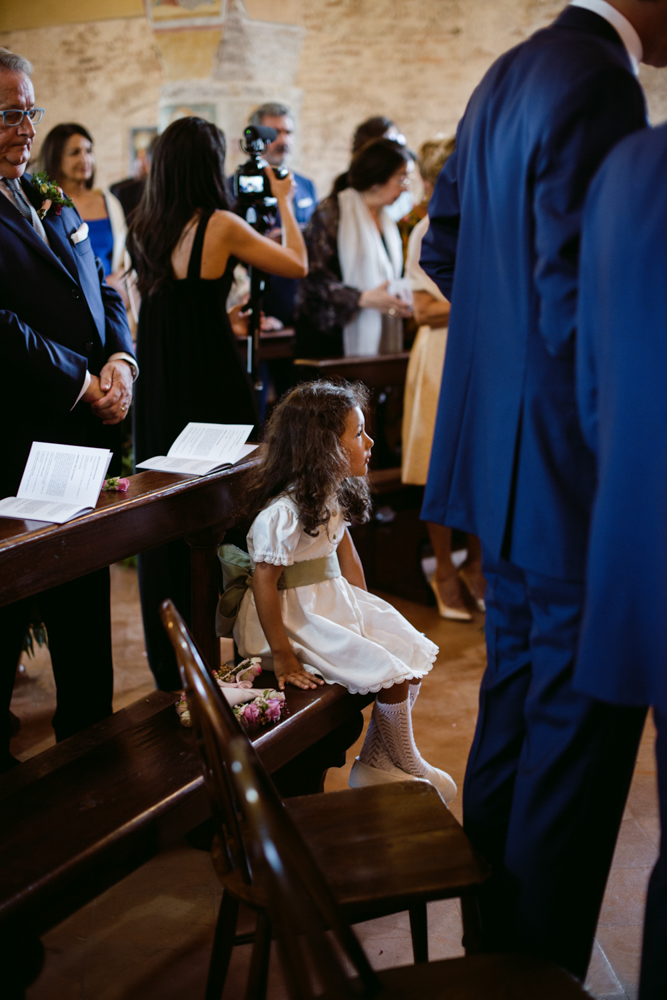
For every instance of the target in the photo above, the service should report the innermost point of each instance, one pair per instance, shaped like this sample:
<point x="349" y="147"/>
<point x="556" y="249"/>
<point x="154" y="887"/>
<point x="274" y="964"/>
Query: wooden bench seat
<point x="81" y="816"/>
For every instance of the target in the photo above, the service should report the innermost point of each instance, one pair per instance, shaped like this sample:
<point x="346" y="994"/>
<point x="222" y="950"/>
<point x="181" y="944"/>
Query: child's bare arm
<point x="350" y="563"/>
<point x="287" y="667"/>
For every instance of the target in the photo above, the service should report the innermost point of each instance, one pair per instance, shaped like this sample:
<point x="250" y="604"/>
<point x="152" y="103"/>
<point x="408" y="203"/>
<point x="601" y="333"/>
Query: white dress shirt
<point x="629" y="36"/>
<point x="121" y="355"/>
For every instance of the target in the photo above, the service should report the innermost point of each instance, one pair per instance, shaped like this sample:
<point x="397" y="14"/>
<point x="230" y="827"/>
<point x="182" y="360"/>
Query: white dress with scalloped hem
<point x="341" y="632"/>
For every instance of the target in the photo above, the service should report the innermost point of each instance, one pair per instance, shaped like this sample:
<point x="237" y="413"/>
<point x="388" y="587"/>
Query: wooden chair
<point x="384" y="849"/>
<point x="316" y="942"/>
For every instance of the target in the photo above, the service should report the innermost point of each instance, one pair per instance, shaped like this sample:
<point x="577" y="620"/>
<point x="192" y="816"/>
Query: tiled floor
<point x="149" y="936"/>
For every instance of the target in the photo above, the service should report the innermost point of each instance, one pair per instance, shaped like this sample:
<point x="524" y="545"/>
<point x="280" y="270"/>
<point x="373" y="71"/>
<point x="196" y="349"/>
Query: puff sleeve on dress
<point x="274" y="535"/>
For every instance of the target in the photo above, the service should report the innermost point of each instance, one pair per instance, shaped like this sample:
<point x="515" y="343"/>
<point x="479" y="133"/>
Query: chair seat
<point x="479" y="977"/>
<point x="400" y="845"/>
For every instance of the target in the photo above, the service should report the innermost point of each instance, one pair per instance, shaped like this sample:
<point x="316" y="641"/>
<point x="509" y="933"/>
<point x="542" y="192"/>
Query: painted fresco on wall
<point x="174" y="10"/>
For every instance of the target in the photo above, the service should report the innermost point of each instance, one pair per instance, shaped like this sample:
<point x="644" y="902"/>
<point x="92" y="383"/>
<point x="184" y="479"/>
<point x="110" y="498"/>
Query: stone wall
<point x="334" y="61"/>
<point x="105" y="75"/>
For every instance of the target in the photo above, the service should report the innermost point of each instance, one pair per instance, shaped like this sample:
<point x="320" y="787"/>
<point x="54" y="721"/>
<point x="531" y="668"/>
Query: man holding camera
<point x="279" y="296"/>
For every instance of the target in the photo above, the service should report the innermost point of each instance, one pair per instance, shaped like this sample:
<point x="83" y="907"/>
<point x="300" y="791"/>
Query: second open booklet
<point x="201" y="448"/>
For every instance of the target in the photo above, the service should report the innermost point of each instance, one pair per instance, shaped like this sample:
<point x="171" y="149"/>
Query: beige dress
<point x="422" y="384"/>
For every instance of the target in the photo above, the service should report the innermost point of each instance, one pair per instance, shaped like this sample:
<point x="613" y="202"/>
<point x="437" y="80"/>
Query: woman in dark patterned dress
<point x="325" y="303"/>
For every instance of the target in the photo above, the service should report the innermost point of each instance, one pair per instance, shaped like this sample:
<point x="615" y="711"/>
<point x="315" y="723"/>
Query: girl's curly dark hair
<point x="303" y="455"/>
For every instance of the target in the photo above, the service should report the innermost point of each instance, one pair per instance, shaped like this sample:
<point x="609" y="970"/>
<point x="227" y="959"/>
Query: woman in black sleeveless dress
<point x="184" y="245"/>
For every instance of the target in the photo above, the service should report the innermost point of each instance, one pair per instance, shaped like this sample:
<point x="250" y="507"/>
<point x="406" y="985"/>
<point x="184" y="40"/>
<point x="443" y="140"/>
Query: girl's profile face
<point x="356" y="443"/>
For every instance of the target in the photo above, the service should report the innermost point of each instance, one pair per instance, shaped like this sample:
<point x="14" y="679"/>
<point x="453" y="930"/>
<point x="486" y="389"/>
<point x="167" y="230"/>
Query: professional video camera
<point x="254" y="201"/>
<point x="256" y="204"/>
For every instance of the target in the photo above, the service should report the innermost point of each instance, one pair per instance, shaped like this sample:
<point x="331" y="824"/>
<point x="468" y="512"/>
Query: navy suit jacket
<point x="509" y="463"/>
<point x="279" y="297"/>
<point x="622" y="387"/>
<point x="57" y="319"/>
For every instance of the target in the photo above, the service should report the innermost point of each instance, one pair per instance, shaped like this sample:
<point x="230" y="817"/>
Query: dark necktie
<point x="20" y="200"/>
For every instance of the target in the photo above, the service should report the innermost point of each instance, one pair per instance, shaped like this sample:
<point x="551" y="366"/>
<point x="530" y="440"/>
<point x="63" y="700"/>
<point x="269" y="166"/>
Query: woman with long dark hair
<point x="184" y="243"/>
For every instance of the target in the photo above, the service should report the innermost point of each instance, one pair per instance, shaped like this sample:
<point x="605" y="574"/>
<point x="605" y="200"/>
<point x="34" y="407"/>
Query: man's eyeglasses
<point x="14" y="116"/>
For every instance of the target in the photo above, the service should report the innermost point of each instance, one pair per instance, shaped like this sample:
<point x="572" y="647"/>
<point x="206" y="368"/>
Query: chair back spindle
<point x="213" y="725"/>
<point x="301" y="904"/>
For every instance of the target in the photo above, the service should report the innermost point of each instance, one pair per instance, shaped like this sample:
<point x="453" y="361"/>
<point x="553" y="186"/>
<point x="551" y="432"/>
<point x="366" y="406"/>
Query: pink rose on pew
<point x="273" y="710"/>
<point x="116" y="483"/>
<point x="251" y="713"/>
<point x="268" y="707"/>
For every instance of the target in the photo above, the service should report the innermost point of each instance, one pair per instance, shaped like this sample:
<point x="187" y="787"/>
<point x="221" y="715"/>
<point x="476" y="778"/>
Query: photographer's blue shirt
<point x="279" y="297"/>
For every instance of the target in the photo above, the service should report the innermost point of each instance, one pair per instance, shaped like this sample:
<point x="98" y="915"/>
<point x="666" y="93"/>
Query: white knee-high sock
<point x="395" y="725"/>
<point x="374" y="752"/>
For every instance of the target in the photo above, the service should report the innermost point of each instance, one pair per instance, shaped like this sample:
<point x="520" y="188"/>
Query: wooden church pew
<point x="77" y="818"/>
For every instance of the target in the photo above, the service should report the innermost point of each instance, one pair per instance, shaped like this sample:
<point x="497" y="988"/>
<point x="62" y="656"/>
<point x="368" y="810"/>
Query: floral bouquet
<point x="250" y="705"/>
<point x="268" y="707"/>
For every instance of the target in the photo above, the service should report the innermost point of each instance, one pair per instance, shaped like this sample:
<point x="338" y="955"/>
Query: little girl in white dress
<point x="308" y="614"/>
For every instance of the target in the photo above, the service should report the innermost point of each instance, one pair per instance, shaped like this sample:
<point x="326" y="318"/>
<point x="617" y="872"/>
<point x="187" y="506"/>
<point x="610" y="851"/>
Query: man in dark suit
<point x="68" y="365"/>
<point x="622" y="386"/>
<point x="549" y="768"/>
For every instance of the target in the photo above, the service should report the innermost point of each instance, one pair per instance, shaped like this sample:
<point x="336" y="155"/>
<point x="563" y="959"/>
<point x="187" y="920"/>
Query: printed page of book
<point x="186" y="466"/>
<point x="191" y="466"/>
<point x="39" y="510"/>
<point x="212" y="442"/>
<point x="201" y="448"/>
<point x="58" y="482"/>
<point x="246" y="449"/>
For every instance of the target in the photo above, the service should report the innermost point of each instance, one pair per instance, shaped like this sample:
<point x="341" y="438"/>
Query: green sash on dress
<point x="237" y="578"/>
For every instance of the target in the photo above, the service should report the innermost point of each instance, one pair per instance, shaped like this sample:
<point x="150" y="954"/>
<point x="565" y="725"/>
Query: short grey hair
<point x="272" y="109"/>
<point x="14" y="63"/>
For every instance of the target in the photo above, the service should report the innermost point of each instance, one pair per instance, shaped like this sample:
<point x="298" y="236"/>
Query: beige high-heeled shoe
<point x="444" y="610"/>
<point x="479" y="601"/>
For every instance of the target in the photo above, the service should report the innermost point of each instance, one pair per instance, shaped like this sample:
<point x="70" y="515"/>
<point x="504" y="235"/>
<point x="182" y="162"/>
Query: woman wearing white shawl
<point x="353" y="300"/>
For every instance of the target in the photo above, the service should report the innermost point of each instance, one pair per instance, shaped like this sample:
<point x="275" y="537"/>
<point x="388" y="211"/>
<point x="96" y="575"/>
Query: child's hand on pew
<point x="289" y="670"/>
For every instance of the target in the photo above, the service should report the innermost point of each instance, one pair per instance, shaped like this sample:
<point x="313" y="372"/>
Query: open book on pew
<point x="59" y="482"/>
<point x="202" y="448"/>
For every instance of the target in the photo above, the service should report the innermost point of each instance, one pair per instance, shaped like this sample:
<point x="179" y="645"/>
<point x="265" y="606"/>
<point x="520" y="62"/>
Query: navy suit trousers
<point x="548" y="773"/>
<point x="653" y="984"/>
<point x="77" y="616"/>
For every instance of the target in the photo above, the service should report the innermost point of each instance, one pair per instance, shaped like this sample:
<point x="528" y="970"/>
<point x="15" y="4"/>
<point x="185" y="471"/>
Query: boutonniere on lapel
<point x="52" y="196"/>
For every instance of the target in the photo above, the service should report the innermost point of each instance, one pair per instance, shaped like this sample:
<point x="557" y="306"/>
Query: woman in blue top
<point x="68" y="158"/>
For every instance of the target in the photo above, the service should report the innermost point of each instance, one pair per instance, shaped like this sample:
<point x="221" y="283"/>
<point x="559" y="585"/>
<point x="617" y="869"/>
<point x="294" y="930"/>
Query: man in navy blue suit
<point x="549" y="768"/>
<point x="622" y="386"/>
<point x="68" y="366"/>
